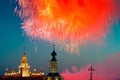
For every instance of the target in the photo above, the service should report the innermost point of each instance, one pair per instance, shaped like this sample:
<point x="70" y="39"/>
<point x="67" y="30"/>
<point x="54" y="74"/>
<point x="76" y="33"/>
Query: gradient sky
<point x="12" y="42"/>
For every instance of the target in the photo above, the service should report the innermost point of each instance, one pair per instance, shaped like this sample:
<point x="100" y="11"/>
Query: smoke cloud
<point x="108" y="70"/>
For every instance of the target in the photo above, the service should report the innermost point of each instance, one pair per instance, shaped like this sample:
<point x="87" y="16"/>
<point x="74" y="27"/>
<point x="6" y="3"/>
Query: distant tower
<point x="34" y="70"/>
<point x="7" y="71"/>
<point x="13" y="70"/>
<point x="91" y="72"/>
<point x="13" y="73"/>
<point x="24" y="68"/>
<point x="53" y="69"/>
<point x="41" y="72"/>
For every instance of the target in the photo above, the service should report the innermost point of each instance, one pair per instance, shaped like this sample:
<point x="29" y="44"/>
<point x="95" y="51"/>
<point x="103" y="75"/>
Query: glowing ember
<point x="67" y="22"/>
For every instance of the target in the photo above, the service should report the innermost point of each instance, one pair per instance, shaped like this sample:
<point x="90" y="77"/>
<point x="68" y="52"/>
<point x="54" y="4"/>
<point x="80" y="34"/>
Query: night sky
<point x="13" y="40"/>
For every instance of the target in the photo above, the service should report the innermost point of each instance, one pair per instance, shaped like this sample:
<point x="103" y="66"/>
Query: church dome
<point x="53" y="54"/>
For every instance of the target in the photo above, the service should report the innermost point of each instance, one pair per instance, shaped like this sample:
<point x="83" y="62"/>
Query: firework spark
<point x="67" y="22"/>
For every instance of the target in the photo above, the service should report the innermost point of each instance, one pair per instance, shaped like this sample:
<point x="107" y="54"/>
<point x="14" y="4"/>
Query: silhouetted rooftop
<point x="53" y="74"/>
<point x="21" y="78"/>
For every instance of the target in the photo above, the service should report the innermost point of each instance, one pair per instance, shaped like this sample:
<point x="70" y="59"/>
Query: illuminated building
<point x="24" y="69"/>
<point x="53" y="69"/>
<point x="26" y="74"/>
<point x="34" y="74"/>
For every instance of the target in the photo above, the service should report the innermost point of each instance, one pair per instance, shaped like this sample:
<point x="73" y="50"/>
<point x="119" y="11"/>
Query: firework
<point x="68" y="23"/>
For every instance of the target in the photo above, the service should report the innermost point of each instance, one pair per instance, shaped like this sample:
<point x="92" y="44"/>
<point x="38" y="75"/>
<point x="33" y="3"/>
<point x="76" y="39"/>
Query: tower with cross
<point x="91" y="72"/>
<point x="53" y="69"/>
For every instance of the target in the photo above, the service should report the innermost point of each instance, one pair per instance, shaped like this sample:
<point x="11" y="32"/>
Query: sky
<point x="13" y="40"/>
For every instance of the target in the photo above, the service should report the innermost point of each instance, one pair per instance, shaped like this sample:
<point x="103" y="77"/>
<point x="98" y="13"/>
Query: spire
<point x="53" y="47"/>
<point x="53" y="54"/>
<point x="24" y="51"/>
<point x="24" y="58"/>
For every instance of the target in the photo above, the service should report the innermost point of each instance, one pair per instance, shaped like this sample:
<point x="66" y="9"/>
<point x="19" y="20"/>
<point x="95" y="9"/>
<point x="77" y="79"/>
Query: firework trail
<point x="68" y="23"/>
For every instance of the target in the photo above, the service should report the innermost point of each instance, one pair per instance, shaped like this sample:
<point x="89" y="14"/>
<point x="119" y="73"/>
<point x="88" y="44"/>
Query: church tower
<point x="24" y="68"/>
<point x="53" y="62"/>
<point x="53" y="69"/>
